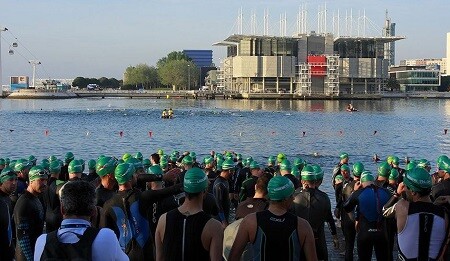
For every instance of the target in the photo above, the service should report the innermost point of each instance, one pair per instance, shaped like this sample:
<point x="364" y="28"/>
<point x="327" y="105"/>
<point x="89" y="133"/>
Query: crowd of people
<point x="225" y="207"/>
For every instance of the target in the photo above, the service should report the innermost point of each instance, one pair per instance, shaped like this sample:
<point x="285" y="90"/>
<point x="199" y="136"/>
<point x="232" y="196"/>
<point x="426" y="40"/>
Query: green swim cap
<point x="147" y="163"/>
<point x="281" y="157"/>
<point x="7" y="161"/>
<point x="345" y="167"/>
<point x="411" y="166"/>
<point x="164" y="164"/>
<point x="444" y="165"/>
<point x="389" y="159"/>
<point x="137" y="164"/>
<point x="139" y="156"/>
<point x="254" y="165"/>
<point x="37" y="172"/>
<point x="418" y="180"/>
<point x="318" y="170"/>
<point x="32" y="159"/>
<point x="75" y="166"/>
<point x="384" y="169"/>
<point x="285" y="165"/>
<point x="173" y="158"/>
<point x="358" y="168"/>
<point x="299" y="163"/>
<point x="52" y="158"/>
<point x="208" y="160"/>
<point x="193" y="155"/>
<point x="423" y="163"/>
<point x="219" y="164"/>
<point x="161" y="152"/>
<point x="248" y="161"/>
<point x="280" y="188"/>
<point x="155" y="170"/>
<point x="394" y="174"/>
<point x="239" y="156"/>
<point x="91" y="164"/>
<point x="46" y="165"/>
<point x="2" y="161"/>
<point x="395" y="160"/>
<point x="440" y="158"/>
<point x="295" y="172"/>
<point x="343" y="155"/>
<point x="195" y="181"/>
<point x="367" y="176"/>
<point x="105" y="165"/>
<point x="21" y="164"/>
<point x="308" y="173"/>
<point x="228" y="164"/>
<point x="68" y="157"/>
<point x="187" y="160"/>
<point x="7" y="174"/>
<point x="271" y="160"/>
<point x="126" y="156"/>
<point x="338" y="177"/>
<point x="124" y="173"/>
<point x="54" y="167"/>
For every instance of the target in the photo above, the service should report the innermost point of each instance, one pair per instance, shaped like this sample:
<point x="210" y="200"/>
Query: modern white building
<point x="434" y="63"/>
<point x="448" y="54"/>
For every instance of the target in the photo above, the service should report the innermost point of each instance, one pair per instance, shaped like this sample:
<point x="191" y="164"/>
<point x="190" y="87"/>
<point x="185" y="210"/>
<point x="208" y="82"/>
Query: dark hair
<point x="155" y="157"/>
<point x="191" y="195"/>
<point x="261" y="184"/>
<point x="78" y="198"/>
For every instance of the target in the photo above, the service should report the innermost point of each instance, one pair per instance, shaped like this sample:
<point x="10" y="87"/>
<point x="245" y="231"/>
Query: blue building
<point x="201" y="58"/>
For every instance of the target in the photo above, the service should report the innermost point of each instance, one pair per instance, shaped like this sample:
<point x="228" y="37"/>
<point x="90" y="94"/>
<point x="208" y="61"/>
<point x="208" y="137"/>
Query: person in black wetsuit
<point x="256" y="203"/>
<point x="442" y="187"/>
<point x="369" y="200"/>
<point x="221" y="191"/>
<point x="248" y="186"/>
<point x="64" y="176"/>
<point x="337" y="169"/>
<point x="314" y="206"/>
<point x="208" y="162"/>
<point x="29" y="214"/>
<point x="21" y="167"/>
<point x="127" y="213"/>
<point x="243" y="174"/>
<point x="2" y="164"/>
<point x="384" y="169"/>
<point x="285" y="170"/>
<point x="53" y="216"/>
<point x="107" y="189"/>
<point x="271" y="165"/>
<point x="188" y="233"/>
<point x="8" y="183"/>
<point x="275" y="233"/>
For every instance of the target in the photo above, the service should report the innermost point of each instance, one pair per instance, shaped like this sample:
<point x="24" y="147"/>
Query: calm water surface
<point x="90" y="127"/>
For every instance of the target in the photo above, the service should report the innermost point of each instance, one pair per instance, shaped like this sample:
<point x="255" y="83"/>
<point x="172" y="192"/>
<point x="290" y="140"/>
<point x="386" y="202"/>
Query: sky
<point x="101" y="38"/>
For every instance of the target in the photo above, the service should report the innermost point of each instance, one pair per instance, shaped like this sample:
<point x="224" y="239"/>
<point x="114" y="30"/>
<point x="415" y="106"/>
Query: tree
<point x="141" y="75"/>
<point x="104" y="82"/>
<point x="176" y="73"/>
<point x="80" y="82"/>
<point x="114" y="83"/>
<point x="173" y="56"/>
<point x="392" y="84"/>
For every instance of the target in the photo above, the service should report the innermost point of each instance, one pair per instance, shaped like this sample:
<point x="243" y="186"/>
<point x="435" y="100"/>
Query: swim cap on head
<point x="343" y="155"/>
<point x="52" y="158"/>
<point x="418" y="180"/>
<point x="285" y="165"/>
<point x="238" y="157"/>
<point x="281" y="157"/>
<point x="295" y="172"/>
<point x="91" y="164"/>
<point x="139" y="156"/>
<point x="219" y="163"/>
<point x="440" y="158"/>
<point x="193" y="155"/>
<point x="444" y="165"/>
<point x="137" y="164"/>
<point x="195" y="181"/>
<point x="46" y="165"/>
<point x="423" y="163"/>
<point x="2" y="161"/>
<point x="358" y="168"/>
<point x="187" y="160"/>
<point x="248" y="161"/>
<point x="345" y="167"/>
<point x="338" y="178"/>
<point x="105" y="165"/>
<point x="146" y="163"/>
<point x="208" y="160"/>
<point x="395" y="160"/>
<point x="254" y="165"/>
<point x="384" y="169"/>
<point x="68" y="157"/>
<point x="411" y="166"/>
<point x="126" y="156"/>
<point x="21" y="164"/>
<point x="161" y="152"/>
<point x="37" y="172"/>
<point x="367" y="176"/>
<point x="280" y="188"/>
<point x="155" y="170"/>
<point x="228" y="164"/>
<point x="271" y="160"/>
<point x="7" y="174"/>
<point x="308" y="173"/>
<point x="318" y="170"/>
<point x="389" y="159"/>
<point x="124" y="173"/>
<point x="75" y="166"/>
<point x="299" y="163"/>
<point x="54" y="167"/>
<point x="393" y="175"/>
<point x="32" y="159"/>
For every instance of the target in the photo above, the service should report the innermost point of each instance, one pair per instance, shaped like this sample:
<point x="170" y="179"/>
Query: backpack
<point x="81" y="250"/>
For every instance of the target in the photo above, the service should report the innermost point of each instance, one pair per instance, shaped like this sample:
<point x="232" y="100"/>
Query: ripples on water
<point x="90" y="127"/>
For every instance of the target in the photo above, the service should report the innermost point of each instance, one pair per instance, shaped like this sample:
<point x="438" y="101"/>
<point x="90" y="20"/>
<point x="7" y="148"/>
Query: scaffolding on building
<point x="332" y="80"/>
<point x="303" y="79"/>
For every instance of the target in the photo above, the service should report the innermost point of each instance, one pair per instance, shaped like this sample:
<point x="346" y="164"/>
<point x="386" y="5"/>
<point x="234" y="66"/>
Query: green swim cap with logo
<point x="343" y="155"/>
<point x="54" y="167"/>
<point x="105" y="165"/>
<point x="345" y="167"/>
<point x="384" y="169"/>
<point x="418" y="180"/>
<point x="208" y="160"/>
<point x="126" y="156"/>
<point x="155" y="170"/>
<point x="285" y="165"/>
<point x="281" y="157"/>
<point x="68" y="157"/>
<point x="295" y="172"/>
<point x="75" y="166"/>
<point x="367" y="176"/>
<point x="411" y="166"/>
<point x="37" y="172"/>
<point x="358" y="168"/>
<point x="21" y="164"/>
<point x="137" y="164"/>
<point x="308" y="173"/>
<point x="7" y="174"/>
<point x="318" y="170"/>
<point x="394" y="174"/>
<point x="91" y="164"/>
<point x="254" y="165"/>
<point x="195" y="181"/>
<point x="228" y="164"/>
<point x="299" y="163"/>
<point x="187" y="160"/>
<point x="139" y="156"/>
<point x="280" y="188"/>
<point x="338" y="178"/>
<point x="271" y="160"/>
<point x="124" y="173"/>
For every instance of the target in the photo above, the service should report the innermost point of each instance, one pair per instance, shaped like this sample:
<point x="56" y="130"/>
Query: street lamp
<point x="2" y="29"/>
<point x="189" y="77"/>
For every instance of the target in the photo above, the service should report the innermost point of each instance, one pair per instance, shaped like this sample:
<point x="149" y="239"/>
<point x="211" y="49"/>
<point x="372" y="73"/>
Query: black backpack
<point x="82" y="250"/>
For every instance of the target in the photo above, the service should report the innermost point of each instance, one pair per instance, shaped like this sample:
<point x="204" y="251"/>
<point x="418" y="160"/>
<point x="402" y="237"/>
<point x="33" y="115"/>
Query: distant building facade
<point x="440" y="64"/>
<point x="416" y="78"/>
<point x="203" y="59"/>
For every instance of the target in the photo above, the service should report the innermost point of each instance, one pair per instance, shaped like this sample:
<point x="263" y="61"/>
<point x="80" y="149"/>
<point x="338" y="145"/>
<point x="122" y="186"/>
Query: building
<point x="304" y="64"/>
<point x="203" y="60"/>
<point x="441" y="64"/>
<point x="448" y="54"/>
<point x="416" y="78"/>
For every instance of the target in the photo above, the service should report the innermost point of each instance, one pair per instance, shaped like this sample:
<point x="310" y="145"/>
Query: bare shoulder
<point x="213" y="225"/>
<point x="401" y="206"/>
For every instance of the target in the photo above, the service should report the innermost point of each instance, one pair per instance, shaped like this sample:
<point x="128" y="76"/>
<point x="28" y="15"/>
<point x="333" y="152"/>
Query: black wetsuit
<point x="182" y="236"/>
<point x="158" y="208"/>
<point x="64" y="175"/>
<point x="248" y="188"/>
<point x="391" y="226"/>
<point x="29" y="220"/>
<point x="440" y="189"/>
<point x="314" y="206"/>
<point x="102" y="195"/>
<point x="251" y="205"/>
<point x="209" y="205"/>
<point x="276" y="237"/>
<point x="6" y="233"/>
<point x="127" y="215"/>
<point x="52" y="204"/>
<point x="212" y="175"/>
<point x="293" y="179"/>
<point x="271" y="170"/>
<point x="221" y="191"/>
<point x="241" y="176"/>
<point x="336" y="171"/>
<point x="343" y="192"/>
<point x="369" y="202"/>
<point x="20" y="189"/>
